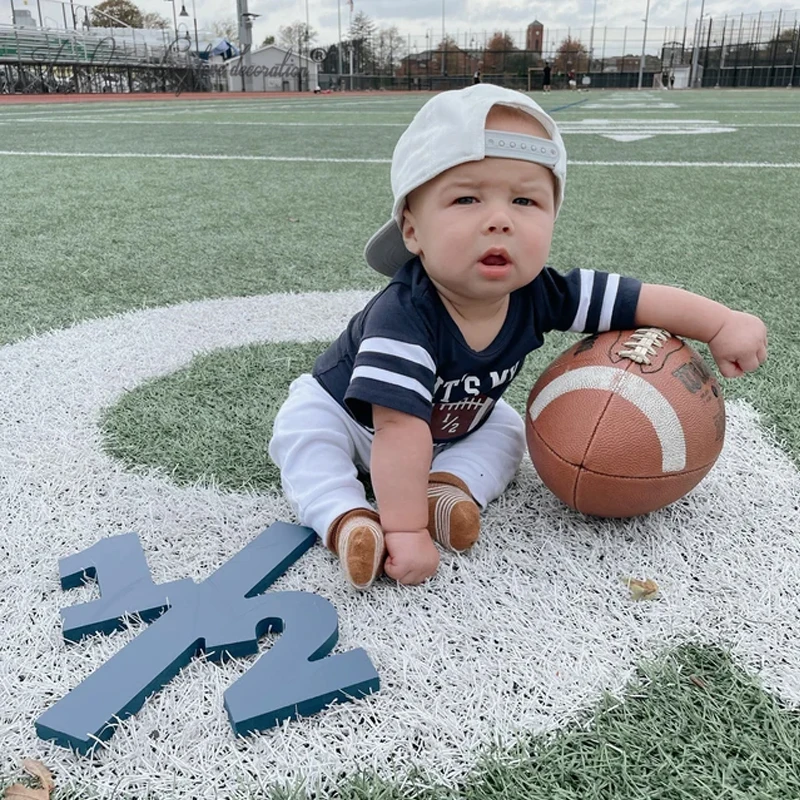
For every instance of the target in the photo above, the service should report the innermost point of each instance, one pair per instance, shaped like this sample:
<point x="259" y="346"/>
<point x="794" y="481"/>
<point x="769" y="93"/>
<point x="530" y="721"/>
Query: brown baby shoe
<point x="357" y="538"/>
<point x="454" y="519"/>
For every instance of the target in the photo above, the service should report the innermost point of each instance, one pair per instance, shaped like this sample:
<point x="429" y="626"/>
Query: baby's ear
<point x="410" y="233"/>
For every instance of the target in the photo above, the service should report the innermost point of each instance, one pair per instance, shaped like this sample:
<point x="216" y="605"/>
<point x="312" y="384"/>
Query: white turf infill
<point x="519" y="635"/>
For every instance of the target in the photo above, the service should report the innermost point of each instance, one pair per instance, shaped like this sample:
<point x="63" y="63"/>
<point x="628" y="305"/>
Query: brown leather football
<point x="625" y="422"/>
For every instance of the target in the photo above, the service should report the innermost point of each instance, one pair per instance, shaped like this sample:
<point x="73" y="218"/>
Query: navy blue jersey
<point x="404" y="351"/>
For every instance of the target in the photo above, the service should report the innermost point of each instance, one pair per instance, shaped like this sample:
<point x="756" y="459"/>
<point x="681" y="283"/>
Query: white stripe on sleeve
<point x="587" y="284"/>
<point x="393" y="379"/>
<point x="609" y="299"/>
<point x="392" y="347"/>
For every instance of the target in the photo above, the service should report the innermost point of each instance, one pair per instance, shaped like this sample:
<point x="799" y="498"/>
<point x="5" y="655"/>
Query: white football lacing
<point x="644" y="342"/>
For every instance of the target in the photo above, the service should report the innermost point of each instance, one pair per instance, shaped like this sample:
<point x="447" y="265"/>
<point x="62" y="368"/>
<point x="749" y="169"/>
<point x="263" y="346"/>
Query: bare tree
<point x="297" y="37"/>
<point x="154" y="20"/>
<point x="390" y="48"/>
<point x="226" y="28"/>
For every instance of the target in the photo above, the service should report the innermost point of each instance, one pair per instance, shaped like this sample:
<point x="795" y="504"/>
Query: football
<point x="625" y="422"/>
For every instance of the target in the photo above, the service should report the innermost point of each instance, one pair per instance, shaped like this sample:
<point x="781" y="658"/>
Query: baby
<point x="411" y="390"/>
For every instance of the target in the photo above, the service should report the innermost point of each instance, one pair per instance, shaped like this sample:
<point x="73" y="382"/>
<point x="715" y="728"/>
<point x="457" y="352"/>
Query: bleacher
<point x="35" y="46"/>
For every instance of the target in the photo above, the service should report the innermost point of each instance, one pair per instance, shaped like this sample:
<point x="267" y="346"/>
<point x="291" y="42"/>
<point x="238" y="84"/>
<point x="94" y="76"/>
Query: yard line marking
<point x="218" y="157"/>
<point x="81" y="121"/>
<point x="601" y="127"/>
<point x="732" y="164"/>
<point x="195" y="157"/>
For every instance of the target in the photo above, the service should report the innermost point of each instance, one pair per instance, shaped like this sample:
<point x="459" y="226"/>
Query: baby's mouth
<point x="494" y="261"/>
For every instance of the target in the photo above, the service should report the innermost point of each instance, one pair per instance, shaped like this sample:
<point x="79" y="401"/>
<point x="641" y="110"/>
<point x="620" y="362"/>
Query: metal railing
<point x="33" y="46"/>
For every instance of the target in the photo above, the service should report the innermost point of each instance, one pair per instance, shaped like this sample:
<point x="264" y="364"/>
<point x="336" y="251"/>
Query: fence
<point x="745" y="50"/>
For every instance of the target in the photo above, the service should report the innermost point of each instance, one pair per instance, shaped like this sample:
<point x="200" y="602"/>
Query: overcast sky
<point x="463" y="18"/>
<point x="415" y="17"/>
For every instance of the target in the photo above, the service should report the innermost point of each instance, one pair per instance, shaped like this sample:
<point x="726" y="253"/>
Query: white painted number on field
<point x="630" y="130"/>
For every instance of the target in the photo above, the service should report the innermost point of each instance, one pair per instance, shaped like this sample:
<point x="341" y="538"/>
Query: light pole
<point x="444" y="44"/>
<point x="644" y="44"/>
<point x="591" y="36"/>
<point x="185" y="13"/>
<point x="695" y="83"/>
<point x="174" y="17"/>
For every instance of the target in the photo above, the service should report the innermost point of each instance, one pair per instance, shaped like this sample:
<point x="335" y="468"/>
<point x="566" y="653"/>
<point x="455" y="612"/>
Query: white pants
<point x="319" y="448"/>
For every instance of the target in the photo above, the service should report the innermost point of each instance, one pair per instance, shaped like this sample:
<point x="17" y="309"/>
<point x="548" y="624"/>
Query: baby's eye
<point x="464" y="201"/>
<point x="524" y="201"/>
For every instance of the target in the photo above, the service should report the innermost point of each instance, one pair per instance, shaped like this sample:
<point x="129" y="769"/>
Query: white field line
<point x="200" y="107"/>
<point x="215" y="157"/>
<point x="267" y="106"/>
<point x="213" y="122"/>
<point x="566" y="128"/>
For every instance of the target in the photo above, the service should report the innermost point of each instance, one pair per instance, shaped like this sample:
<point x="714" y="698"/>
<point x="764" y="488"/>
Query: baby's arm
<point x="738" y="341"/>
<point x="402" y="450"/>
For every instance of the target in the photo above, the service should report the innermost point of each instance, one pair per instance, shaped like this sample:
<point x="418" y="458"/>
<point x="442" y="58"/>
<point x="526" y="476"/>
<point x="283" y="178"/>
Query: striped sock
<point x="357" y="538"/>
<point x="454" y="519"/>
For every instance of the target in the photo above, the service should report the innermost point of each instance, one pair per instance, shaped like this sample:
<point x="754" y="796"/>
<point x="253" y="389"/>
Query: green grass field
<point x="112" y="208"/>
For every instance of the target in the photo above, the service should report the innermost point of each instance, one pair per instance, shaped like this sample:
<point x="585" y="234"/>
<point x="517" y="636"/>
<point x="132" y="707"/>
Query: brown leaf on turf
<point x="641" y="590"/>
<point x="19" y="792"/>
<point x="40" y="771"/>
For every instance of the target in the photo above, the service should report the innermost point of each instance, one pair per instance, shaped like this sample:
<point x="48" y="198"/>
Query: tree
<point x="454" y="57"/>
<point x="390" y="47"/>
<point x="781" y="47"/>
<point x="226" y="29"/>
<point x="268" y="40"/>
<point x="154" y="20"/>
<point x="361" y="34"/>
<point x="496" y="52"/>
<point x="110" y="13"/>
<point x="571" y="55"/>
<point x="297" y="37"/>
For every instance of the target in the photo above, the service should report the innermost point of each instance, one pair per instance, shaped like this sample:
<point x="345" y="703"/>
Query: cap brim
<point x="385" y="251"/>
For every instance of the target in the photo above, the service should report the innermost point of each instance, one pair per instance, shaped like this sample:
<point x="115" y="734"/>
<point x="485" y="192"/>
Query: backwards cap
<point x="450" y="130"/>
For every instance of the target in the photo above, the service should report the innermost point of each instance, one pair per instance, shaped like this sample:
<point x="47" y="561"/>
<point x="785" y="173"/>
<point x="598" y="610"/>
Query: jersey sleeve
<point x="585" y="301"/>
<point x="394" y="365"/>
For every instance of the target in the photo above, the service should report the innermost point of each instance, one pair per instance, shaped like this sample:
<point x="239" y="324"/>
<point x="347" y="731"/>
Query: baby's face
<point x="483" y="228"/>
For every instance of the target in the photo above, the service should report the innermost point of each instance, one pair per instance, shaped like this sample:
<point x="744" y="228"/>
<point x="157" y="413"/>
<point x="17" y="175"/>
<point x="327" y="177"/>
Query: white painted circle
<point x="519" y="635"/>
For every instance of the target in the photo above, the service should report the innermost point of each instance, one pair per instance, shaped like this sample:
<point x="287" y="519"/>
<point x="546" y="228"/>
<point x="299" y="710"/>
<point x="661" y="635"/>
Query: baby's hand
<point x="740" y="345"/>
<point x="412" y="558"/>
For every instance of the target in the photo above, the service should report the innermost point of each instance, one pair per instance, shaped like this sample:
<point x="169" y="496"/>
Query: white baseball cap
<point x="450" y="130"/>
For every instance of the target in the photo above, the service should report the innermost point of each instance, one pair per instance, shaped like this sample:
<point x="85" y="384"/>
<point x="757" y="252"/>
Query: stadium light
<point x="185" y="13"/>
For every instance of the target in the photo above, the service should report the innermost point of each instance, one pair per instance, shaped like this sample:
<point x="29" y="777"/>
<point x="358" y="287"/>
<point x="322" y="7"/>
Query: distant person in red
<point x="573" y="83"/>
<point x="546" y="77"/>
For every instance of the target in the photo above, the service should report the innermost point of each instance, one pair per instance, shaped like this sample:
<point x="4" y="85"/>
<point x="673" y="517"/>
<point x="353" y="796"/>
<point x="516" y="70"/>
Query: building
<point x="272" y="69"/>
<point x="23" y="18"/>
<point x="674" y="54"/>
<point x="534" y="37"/>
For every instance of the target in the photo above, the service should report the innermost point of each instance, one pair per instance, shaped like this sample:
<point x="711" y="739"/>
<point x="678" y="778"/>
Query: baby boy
<point x="411" y="392"/>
